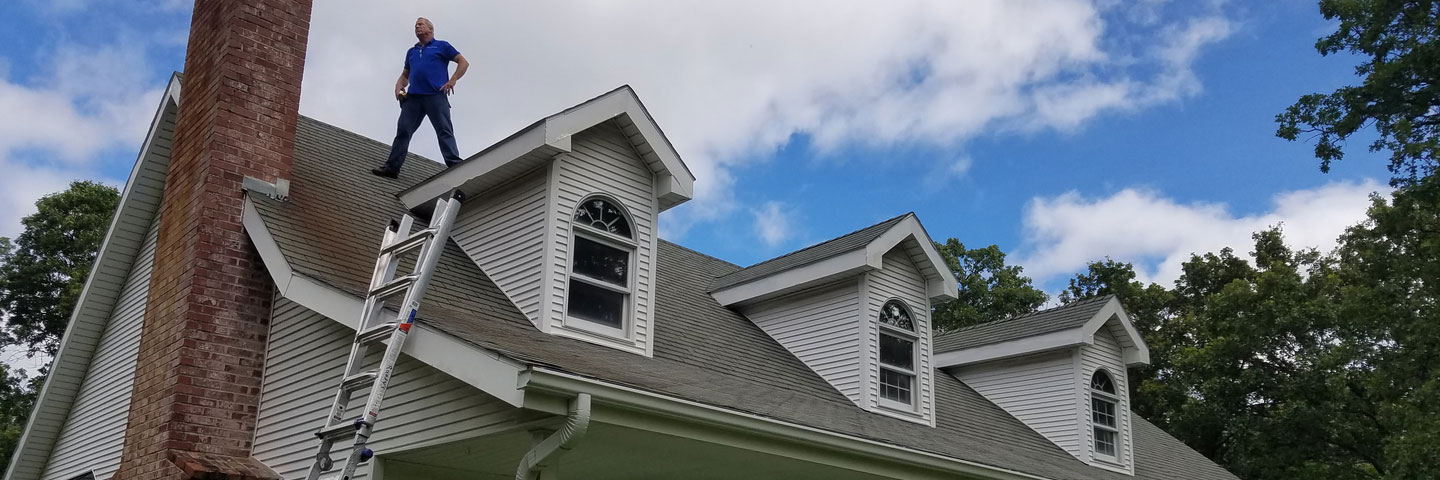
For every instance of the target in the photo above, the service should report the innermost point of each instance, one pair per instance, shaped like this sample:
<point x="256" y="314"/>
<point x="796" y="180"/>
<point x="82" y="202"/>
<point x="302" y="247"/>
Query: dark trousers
<point x="413" y="109"/>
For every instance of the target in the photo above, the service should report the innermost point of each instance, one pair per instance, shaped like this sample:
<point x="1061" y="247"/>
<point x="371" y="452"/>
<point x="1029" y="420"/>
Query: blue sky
<point x="1064" y="131"/>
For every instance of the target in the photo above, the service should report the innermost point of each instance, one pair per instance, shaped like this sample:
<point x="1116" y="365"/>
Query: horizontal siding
<point x="94" y="432"/>
<point x="504" y="233"/>
<point x="304" y="360"/>
<point x="1106" y="353"/>
<point x="821" y="328"/>
<point x="1038" y="390"/>
<point x="601" y="161"/>
<point x="899" y="279"/>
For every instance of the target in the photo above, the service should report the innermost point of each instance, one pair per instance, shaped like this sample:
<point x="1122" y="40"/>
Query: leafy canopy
<point x="1400" y="93"/>
<point x="43" y="269"/>
<point x="989" y="289"/>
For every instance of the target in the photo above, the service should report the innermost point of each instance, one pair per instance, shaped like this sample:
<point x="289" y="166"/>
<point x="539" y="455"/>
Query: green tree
<point x="989" y="289"/>
<point x="1400" y="93"/>
<point x="43" y="269"/>
<point x="15" y="403"/>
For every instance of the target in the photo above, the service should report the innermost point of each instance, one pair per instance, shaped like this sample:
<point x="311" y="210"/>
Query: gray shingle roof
<point x="330" y="228"/>
<point x="807" y="255"/>
<point x="1045" y="321"/>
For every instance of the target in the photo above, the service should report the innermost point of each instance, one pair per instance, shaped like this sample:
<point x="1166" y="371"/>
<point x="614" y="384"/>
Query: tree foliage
<point x="1400" y="94"/>
<point x="43" y="269"/>
<point x="989" y="289"/>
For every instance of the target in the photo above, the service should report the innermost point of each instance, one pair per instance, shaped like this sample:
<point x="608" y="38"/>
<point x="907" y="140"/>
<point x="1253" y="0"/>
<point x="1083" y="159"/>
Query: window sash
<point x="907" y="390"/>
<point x="1107" y="442"/>
<point x="610" y="240"/>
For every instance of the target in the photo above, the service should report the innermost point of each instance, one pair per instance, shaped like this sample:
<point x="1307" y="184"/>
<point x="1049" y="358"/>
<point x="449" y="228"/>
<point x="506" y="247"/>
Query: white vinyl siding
<point x="503" y="232"/>
<point x="1106" y="353"/>
<point x="899" y="279"/>
<point x="821" y="328"/>
<point x="304" y="359"/>
<point x="1039" y="390"/>
<point x="94" y="432"/>
<point x="603" y="162"/>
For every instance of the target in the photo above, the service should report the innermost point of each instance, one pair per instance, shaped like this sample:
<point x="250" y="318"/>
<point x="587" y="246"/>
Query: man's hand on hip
<point x="400" y="93"/>
<point x="449" y="88"/>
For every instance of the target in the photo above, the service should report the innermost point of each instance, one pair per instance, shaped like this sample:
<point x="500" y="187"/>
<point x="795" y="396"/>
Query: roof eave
<point x="1045" y="342"/>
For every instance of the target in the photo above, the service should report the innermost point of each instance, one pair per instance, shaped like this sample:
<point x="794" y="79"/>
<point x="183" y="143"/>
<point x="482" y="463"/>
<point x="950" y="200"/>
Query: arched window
<point x="1103" y="415"/>
<point x="602" y="249"/>
<point x="897" y="356"/>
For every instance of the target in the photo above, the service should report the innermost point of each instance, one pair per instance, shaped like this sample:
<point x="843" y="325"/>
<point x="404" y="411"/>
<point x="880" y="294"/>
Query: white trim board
<point x="483" y="369"/>
<point x="550" y="136"/>
<point x="1135" y="351"/>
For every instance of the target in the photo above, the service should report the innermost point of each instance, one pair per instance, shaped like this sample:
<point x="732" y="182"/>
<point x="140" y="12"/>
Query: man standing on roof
<point x="427" y="70"/>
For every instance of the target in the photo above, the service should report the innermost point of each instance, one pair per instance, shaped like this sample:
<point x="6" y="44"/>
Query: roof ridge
<point x="1006" y="320"/>
<point x="811" y="247"/>
<point x="703" y="254"/>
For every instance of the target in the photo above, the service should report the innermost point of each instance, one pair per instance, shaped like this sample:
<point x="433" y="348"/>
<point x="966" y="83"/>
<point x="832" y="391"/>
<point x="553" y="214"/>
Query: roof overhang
<point x="483" y="369"/>
<point x="113" y="263"/>
<point x="940" y="284"/>
<point x="536" y="144"/>
<point x="1112" y="315"/>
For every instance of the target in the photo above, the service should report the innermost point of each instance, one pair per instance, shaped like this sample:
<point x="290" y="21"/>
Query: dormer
<point x="856" y="310"/>
<point x="1061" y="371"/>
<point x="563" y="214"/>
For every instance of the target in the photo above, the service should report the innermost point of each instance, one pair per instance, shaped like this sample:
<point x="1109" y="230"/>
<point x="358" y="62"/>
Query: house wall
<point x="899" y="279"/>
<point x="821" y="327"/>
<point x="503" y="232"/>
<point x="93" y="434"/>
<point x="1105" y="353"/>
<point x="1039" y="390"/>
<point x="603" y="162"/>
<point x="306" y="355"/>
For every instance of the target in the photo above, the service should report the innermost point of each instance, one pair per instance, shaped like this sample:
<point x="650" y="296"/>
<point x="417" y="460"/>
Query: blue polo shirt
<point x="429" y="66"/>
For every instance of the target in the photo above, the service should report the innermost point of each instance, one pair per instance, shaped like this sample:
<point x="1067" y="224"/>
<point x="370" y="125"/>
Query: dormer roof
<point x="847" y="255"/>
<point x="1061" y="327"/>
<point x="535" y="144"/>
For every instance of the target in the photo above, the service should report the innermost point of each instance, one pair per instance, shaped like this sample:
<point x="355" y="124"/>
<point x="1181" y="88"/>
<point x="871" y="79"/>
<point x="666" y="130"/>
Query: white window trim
<point x="1114" y="400"/>
<point x="629" y="246"/>
<point x="914" y="338"/>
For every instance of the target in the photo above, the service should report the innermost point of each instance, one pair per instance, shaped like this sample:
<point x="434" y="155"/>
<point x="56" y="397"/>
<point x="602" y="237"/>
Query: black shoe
<point x="385" y="172"/>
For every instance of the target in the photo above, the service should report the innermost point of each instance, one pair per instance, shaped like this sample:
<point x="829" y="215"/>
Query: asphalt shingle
<point x="1060" y="318"/>
<point x="808" y="255"/>
<point x="330" y="228"/>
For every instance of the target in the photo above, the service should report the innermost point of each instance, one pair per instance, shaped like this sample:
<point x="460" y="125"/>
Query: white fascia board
<point x="486" y="370"/>
<point x="50" y="409"/>
<point x="1139" y="352"/>
<point x="940" y="287"/>
<point x="677" y="183"/>
<point x="846" y="264"/>
<point x="639" y="409"/>
<point x="1021" y="346"/>
<point x="518" y="145"/>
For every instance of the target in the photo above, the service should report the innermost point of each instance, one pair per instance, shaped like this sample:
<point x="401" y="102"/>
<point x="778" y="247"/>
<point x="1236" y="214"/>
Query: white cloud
<point x="1064" y="233"/>
<point x="729" y="83"/>
<point x="773" y="223"/>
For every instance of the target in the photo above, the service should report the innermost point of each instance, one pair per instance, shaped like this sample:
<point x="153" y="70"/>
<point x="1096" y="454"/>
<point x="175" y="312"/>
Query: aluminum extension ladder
<point x="383" y="284"/>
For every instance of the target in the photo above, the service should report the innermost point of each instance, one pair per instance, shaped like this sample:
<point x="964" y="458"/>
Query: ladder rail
<point x="397" y="241"/>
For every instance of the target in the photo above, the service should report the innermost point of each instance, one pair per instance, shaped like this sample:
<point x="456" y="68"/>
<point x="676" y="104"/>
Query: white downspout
<point x="576" y="423"/>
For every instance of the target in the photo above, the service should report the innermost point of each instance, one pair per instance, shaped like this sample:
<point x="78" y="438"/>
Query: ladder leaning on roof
<point x="397" y="241"/>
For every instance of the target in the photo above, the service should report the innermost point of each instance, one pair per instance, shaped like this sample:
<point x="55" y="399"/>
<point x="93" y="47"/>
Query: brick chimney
<point x="202" y="350"/>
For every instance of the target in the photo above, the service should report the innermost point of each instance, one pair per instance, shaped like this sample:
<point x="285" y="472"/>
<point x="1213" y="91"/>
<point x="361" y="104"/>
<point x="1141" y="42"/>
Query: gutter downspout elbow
<point x="577" y="422"/>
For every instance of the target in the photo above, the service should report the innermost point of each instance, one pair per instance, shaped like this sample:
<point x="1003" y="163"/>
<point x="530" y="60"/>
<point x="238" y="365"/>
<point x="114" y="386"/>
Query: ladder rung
<point x="414" y="240"/>
<point x="359" y="381"/>
<point x="375" y="333"/>
<point x="393" y="287"/>
<point x="338" y="431"/>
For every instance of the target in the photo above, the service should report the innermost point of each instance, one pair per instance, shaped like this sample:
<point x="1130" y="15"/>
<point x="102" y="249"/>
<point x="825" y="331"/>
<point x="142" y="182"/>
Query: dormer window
<point x="1103" y="401"/>
<point x="897" y="356"/>
<point x="600" y="273"/>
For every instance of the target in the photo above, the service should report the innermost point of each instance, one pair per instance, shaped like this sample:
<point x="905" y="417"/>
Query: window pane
<point x="1102" y="412"/>
<point x="897" y="352"/>
<point x="895" y="315"/>
<point x="589" y="302"/>
<point x="601" y="262"/>
<point x="1104" y="442"/>
<point x="1102" y="382"/>
<point x="602" y="215"/>
<point x="895" y="386"/>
